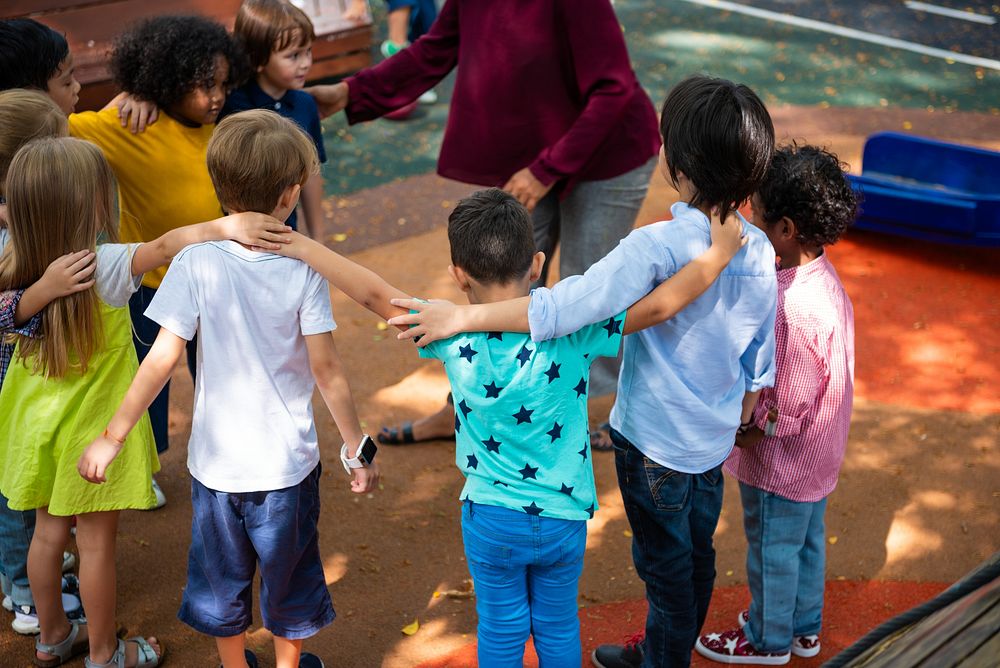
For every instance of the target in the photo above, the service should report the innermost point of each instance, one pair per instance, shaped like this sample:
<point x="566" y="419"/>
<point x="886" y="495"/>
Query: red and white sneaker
<point x="733" y="647"/>
<point x="803" y="646"/>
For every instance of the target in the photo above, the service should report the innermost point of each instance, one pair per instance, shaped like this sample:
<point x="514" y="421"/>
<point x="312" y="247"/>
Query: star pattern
<point x="613" y="327"/>
<point x="523" y="415"/>
<point x="500" y="482"/>
<point x="533" y="509"/>
<point x="581" y="388"/>
<point x="529" y="471"/>
<point x="467" y="352"/>
<point x="494" y="335"/>
<point x="524" y="355"/>
<point x="473" y="462"/>
<point x="555" y="432"/>
<point x="553" y="372"/>
<point x="465" y="408"/>
<point x="590" y="511"/>
<point x="458" y="424"/>
<point x="583" y="453"/>
<point x="568" y="491"/>
<point x="492" y="390"/>
<point x="492" y="445"/>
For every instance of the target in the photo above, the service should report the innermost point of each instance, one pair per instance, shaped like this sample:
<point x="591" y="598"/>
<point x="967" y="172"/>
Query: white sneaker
<point x="430" y="97"/>
<point x="26" y="618"/>
<point x="161" y="498"/>
<point x="70" y="585"/>
<point x="804" y="646"/>
<point x="69" y="561"/>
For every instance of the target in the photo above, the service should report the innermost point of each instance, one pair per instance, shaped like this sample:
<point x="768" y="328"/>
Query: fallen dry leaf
<point x="411" y="628"/>
<point x="832" y="540"/>
<point x="627" y="533"/>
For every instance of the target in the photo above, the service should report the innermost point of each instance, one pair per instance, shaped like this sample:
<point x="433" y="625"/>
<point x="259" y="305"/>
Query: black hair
<point x="163" y="58"/>
<point x="30" y="54"/>
<point x="807" y="184"/>
<point x="491" y="236"/>
<point x="720" y="136"/>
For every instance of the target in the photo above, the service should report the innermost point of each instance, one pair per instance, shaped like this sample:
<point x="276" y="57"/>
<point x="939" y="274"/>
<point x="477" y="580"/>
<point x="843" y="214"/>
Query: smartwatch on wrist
<point x="365" y="456"/>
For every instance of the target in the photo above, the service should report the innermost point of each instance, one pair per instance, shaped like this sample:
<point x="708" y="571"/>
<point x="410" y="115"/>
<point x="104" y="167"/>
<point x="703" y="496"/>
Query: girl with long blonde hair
<point x="26" y="115"/>
<point x="62" y="387"/>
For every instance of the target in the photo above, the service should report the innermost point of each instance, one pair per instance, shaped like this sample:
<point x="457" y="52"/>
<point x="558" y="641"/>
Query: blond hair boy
<point x="263" y="324"/>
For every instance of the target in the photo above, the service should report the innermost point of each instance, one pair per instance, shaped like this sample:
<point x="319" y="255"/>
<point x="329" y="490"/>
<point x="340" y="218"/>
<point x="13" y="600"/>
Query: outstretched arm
<point x="359" y="283"/>
<point x="674" y="294"/>
<point x="254" y="229"/>
<point x="149" y="380"/>
<point x="439" y="319"/>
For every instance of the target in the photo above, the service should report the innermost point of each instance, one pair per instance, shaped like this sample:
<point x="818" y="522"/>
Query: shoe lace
<point x="634" y="640"/>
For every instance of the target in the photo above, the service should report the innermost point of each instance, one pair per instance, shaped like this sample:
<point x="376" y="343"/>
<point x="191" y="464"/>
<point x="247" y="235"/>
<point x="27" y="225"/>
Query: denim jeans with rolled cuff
<point x="673" y="516"/>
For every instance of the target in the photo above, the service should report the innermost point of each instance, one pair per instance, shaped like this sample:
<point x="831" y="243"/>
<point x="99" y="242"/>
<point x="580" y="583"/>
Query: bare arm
<point x="333" y="386"/>
<point x="256" y="229"/>
<point x="66" y="275"/>
<point x="674" y="294"/>
<point x="149" y="380"/>
<point x="359" y="283"/>
<point x="439" y="319"/>
<point x="312" y="205"/>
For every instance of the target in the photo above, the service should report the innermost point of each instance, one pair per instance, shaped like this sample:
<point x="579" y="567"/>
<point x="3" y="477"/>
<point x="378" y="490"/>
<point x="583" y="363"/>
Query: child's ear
<point x="537" y="263"/>
<point x="788" y="230"/>
<point x="460" y="277"/>
<point x="289" y="197"/>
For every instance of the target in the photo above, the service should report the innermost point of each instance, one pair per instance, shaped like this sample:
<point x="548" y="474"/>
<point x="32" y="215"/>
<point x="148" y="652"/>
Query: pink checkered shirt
<point x="813" y="390"/>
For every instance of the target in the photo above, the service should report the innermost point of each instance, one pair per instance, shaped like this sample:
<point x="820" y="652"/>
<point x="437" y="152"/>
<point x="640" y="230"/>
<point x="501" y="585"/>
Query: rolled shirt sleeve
<point x="611" y="285"/>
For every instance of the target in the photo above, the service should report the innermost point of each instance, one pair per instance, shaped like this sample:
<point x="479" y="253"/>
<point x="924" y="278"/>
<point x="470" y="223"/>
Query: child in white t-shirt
<point x="263" y="324"/>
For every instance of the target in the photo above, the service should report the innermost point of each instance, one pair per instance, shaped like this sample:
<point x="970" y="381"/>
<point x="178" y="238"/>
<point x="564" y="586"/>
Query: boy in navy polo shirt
<point x="278" y="39"/>
<point x="521" y="421"/>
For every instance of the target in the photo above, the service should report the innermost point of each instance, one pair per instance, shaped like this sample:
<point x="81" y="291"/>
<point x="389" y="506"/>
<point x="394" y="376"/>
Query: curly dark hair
<point x="807" y="184"/>
<point x="163" y="58"/>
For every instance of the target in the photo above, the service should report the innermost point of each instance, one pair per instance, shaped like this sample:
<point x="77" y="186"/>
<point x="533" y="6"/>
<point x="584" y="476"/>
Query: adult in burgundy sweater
<point x="546" y="106"/>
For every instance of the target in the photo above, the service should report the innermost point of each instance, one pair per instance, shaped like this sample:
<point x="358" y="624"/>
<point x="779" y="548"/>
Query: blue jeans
<point x="525" y="569"/>
<point x="16" y="530"/>
<point x="785" y="567"/>
<point x="673" y="517"/>
<point x="144" y="332"/>
<point x="587" y="224"/>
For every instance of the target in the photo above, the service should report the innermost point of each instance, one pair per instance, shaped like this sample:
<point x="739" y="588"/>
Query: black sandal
<point x="404" y="436"/>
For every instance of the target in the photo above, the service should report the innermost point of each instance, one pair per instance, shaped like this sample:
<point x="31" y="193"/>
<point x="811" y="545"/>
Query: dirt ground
<point x="918" y="501"/>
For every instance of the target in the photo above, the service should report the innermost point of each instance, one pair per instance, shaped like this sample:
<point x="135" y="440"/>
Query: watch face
<point x="366" y="452"/>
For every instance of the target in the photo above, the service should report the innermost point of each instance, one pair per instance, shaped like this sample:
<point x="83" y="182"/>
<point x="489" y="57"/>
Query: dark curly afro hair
<point x="162" y="59"/>
<point x="808" y="185"/>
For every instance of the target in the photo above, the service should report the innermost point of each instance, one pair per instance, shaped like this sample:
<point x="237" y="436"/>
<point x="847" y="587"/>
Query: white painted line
<point x="851" y="33"/>
<point x="950" y="13"/>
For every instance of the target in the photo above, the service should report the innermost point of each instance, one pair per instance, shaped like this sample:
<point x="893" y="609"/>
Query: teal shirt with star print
<point x="521" y="432"/>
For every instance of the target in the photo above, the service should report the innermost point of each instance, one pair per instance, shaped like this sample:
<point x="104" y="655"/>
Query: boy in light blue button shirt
<point x="686" y="385"/>
<point x="521" y="422"/>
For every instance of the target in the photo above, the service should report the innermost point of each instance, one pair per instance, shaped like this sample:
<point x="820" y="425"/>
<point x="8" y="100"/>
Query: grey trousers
<point x="586" y="226"/>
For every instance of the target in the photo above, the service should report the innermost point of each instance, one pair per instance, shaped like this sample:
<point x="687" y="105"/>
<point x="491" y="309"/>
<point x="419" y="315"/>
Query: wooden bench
<point x="90" y="27"/>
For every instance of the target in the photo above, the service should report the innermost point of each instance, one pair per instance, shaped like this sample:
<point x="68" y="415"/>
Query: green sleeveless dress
<point x="45" y="425"/>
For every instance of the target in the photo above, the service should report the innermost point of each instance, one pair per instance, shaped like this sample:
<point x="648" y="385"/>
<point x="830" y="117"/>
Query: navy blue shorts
<point x="231" y="534"/>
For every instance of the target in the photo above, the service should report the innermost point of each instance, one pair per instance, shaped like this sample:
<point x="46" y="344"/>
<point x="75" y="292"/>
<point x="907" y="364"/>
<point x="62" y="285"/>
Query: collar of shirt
<point x="261" y="100"/>
<point x="787" y="276"/>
